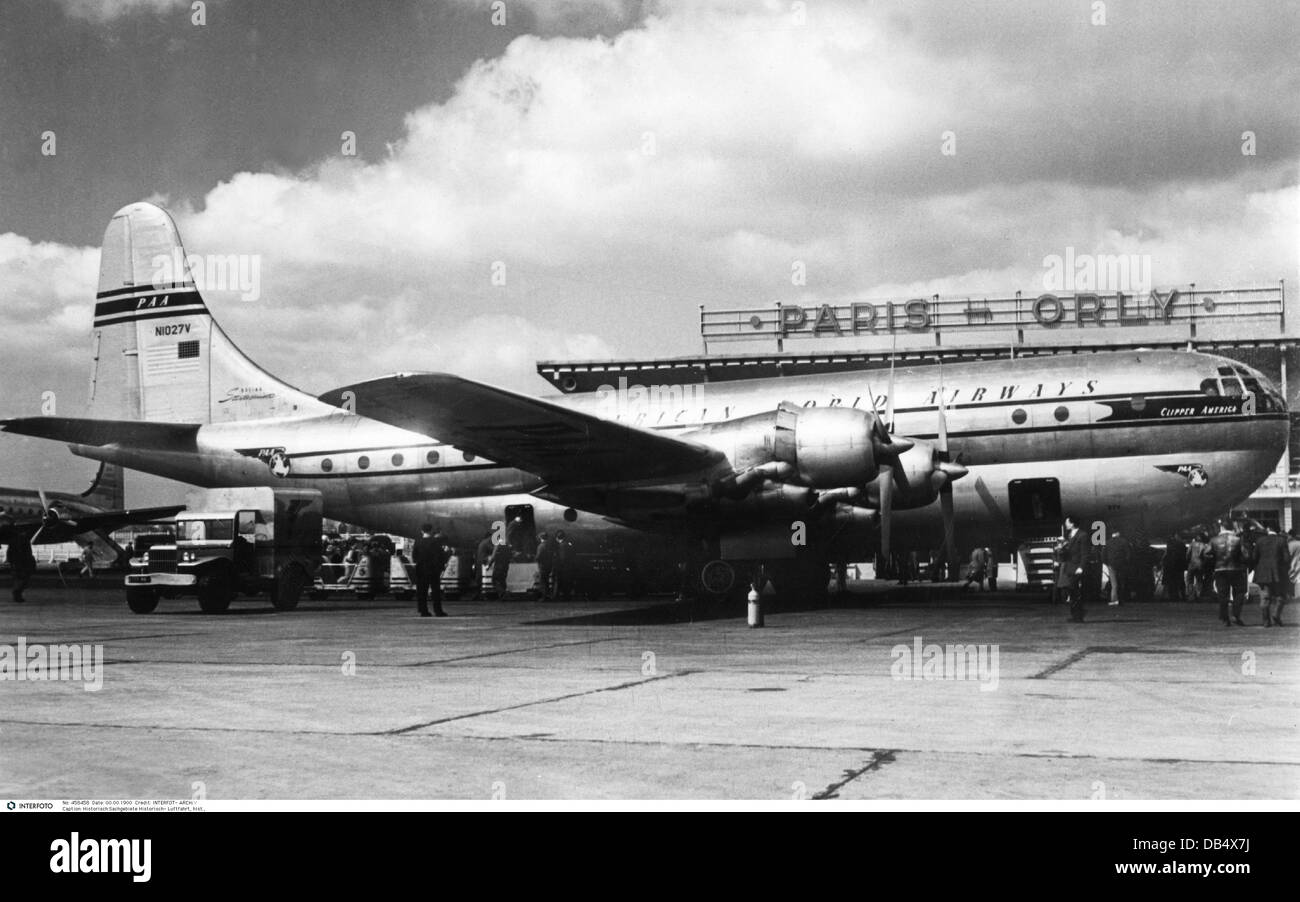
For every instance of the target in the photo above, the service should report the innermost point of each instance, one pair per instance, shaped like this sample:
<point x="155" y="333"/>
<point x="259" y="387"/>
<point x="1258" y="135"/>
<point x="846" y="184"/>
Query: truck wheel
<point x="289" y="583"/>
<point x="141" y="601"/>
<point x="215" y="590"/>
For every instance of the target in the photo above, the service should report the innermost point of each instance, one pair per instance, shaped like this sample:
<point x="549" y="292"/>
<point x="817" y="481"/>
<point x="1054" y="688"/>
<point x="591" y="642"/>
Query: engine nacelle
<point x="821" y="447"/>
<point x="833" y="446"/>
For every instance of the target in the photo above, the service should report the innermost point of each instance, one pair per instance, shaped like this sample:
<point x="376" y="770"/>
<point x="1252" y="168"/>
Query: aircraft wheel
<point x="718" y="578"/>
<point x="215" y="590"/>
<point x="289" y="583"/>
<point x="141" y="601"/>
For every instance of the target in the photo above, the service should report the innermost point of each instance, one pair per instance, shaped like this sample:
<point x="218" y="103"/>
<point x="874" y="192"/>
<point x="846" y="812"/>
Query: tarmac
<point x="651" y="699"/>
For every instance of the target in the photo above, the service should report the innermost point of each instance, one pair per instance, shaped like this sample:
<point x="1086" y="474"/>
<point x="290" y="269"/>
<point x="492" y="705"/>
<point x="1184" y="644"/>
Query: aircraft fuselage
<point x="1158" y="439"/>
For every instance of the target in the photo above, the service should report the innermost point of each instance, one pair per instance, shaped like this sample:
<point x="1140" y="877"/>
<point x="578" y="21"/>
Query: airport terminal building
<point x="1247" y="324"/>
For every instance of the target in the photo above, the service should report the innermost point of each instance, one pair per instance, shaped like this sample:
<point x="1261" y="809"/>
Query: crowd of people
<point x="1235" y="562"/>
<point x="554" y="554"/>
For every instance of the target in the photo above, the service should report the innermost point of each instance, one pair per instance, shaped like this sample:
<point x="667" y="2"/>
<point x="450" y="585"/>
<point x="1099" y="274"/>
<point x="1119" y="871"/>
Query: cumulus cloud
<point x="101" y="11"/>
<point x="579" y="196"/>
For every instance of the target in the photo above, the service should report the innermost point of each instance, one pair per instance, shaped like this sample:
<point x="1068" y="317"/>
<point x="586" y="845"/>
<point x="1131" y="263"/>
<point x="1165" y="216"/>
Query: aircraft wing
<point x="67" y="527"/>
<point x="74" y="431"/>
<point x="560" y="445"/>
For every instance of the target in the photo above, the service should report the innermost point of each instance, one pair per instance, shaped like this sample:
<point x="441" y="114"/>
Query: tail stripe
<point x="146" y="306"/>
<point x="133" y="316"/>
<point x="146" y="289"/>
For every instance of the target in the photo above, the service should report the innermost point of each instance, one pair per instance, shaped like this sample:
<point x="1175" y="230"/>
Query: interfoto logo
<point x="102" y="856"/>
<point x="38" y="663"/>
<point x="919" y="661"/>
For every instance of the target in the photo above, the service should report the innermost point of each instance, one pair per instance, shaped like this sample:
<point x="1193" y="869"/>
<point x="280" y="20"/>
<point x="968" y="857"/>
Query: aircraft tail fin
<point x="108" y="491"/>
<point x="158" y="355"/>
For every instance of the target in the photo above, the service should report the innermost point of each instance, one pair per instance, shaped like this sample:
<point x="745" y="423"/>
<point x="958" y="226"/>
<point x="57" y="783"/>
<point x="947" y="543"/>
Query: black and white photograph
<point x="649" y="404"/>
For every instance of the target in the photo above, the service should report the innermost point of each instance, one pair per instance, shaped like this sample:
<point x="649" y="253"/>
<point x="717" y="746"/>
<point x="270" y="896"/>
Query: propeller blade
<point x="45" y="507"/>
<point x="889" y="398"/>
<point x="949" y="526"/>
<point x="943" y="419"/>
<point x="886" y="511"/>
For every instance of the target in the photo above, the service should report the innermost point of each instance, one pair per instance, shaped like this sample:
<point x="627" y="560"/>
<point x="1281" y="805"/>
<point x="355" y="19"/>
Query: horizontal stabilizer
<point x="560" y="445"/>
<point x="128" y="433"/>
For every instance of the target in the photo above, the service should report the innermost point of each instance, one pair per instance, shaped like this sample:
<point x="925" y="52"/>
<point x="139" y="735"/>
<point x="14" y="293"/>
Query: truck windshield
<point x="207" y="530"/>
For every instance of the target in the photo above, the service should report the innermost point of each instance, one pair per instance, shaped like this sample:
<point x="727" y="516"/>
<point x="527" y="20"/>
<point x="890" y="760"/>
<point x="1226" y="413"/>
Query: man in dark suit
<point x="430" y="557"/>
<point x="1073" y="555"/>
<point x="1272" y="572"/>
<point x="21" y="559"/>
<point x="1174" y="569"/>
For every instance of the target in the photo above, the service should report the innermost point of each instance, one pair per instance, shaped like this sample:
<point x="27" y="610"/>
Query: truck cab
<point x="234" y="541"/>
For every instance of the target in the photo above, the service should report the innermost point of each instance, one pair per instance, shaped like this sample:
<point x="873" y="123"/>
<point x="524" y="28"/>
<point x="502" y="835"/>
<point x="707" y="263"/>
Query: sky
<point x="571" y="180"/>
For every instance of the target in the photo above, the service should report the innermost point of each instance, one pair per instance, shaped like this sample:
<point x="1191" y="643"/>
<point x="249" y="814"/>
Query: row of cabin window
<point x="363" y="462"/>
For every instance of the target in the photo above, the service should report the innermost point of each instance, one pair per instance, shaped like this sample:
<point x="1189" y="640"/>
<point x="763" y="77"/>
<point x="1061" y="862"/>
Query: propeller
<point x="945" y="472"/>
<point x="886" y="510"/>
<point x="47" y="516"/>
<point x="924" y="473"/>
<point x="886" y="474"/>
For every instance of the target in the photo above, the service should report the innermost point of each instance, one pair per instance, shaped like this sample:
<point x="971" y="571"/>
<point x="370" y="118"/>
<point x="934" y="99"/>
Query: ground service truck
<point x="232" y="541"/>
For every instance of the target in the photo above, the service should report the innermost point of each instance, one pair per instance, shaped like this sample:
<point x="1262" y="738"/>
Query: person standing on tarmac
<point x="1118" y="558"/>
<point x="1293" y="549"/>
<point x="1073" y="555"/>
<point x="482" y="559"/>
<point x="975" y="572"/>
<point x="22" y="562"/>
<point x="87" y="562"/>
<point x="992" y="566"/>
<point x="429" y="556"/>
<point x="565" y="562"/>
<point x="1228" y="556"/>
<point x="1272" y="574"/>
<point x="502" y="553"/>
<point x="1198" y="566"/>
<point x="545" y="567"/>
<point x="1173" y="569"/>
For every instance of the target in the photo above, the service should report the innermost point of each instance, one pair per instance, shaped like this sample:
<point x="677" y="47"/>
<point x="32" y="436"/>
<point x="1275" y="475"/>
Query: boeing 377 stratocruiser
<point x="794" y="471"/>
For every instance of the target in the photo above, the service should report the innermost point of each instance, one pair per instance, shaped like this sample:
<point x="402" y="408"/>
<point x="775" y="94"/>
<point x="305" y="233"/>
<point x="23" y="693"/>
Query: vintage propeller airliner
<point x="792" y="472"/>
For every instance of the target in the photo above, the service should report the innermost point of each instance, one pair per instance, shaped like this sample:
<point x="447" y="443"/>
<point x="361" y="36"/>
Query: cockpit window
<point x="1210" y="387"/>
<point x="1266" y="399"/>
